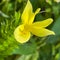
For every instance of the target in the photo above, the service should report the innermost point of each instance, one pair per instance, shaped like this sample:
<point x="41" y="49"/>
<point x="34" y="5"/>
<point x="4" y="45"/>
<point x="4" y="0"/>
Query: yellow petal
<point x="33" y="16"/>
<point x="27" y="12"/>
<point x="21" y="35"/>
<point x="44" y="23"/>
<point x="28" y="15"/>
<point x="37" y="11"/>
<point x="41" y="32"/>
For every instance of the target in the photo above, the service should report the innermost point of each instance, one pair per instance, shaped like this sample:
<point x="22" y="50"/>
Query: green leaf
<point x="25" y="49"/>
<point x="56" y="29"/>
<point x="17" y="17"/>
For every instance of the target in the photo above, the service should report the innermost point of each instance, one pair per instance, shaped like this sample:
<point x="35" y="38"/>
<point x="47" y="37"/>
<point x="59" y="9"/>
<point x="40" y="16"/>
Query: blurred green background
<point x="46" y="48"/>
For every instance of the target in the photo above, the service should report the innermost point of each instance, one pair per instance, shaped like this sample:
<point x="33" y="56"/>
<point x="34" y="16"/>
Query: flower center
<point x="27" y="27"/>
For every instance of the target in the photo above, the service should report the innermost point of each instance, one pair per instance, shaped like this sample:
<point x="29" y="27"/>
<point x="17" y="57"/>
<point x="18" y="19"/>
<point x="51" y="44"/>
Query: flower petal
<point x="33" y="16"/>
<point x="37" y="11"/>
<point x="27" y="12"/>
<point x="28" y="15"/>
<point x="44" y="23"/>
<point x="41" y="32"/>
<point x="21" y="35"/>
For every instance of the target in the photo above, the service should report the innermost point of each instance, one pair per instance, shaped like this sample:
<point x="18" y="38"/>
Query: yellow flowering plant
<point x="23" y="32"/>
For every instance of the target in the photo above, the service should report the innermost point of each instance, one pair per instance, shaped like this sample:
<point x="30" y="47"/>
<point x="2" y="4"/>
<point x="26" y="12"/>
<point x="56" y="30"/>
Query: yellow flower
<point x="23" y="32"/>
